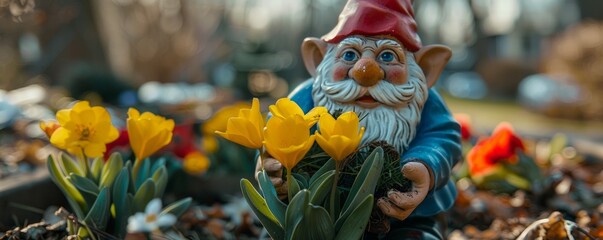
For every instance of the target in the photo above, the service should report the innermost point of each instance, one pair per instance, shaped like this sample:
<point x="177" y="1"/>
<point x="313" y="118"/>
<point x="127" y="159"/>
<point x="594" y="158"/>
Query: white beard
<point x="395" y="121"/>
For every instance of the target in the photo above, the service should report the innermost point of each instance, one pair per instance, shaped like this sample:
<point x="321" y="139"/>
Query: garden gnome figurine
<point x="373" y="63"/>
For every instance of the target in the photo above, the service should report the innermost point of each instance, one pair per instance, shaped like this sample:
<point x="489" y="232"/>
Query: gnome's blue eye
<point x="350" y="55"/>
<point x="387" y="56"/>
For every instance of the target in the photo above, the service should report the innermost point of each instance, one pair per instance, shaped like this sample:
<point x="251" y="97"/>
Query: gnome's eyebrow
<point x="351" y="41"/>
<point x="390" y="44"/>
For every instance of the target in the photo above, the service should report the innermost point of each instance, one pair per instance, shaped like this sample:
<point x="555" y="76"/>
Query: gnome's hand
<point x="274" y="169"/>
<point x="400" y="205"/>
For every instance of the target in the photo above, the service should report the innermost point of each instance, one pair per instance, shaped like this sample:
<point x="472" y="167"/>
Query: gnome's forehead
<point x="393" y="18"/>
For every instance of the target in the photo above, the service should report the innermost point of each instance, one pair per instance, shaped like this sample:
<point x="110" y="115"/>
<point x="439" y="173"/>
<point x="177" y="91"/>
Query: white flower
<point x="151" y="219"/>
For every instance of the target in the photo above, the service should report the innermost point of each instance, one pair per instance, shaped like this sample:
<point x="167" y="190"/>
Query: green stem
<point x="262" y="156"/>
<point x="334" y="192"/>
<point x="137" y="164"/>
<point x="86" y="164"/>
<point x="289" y="184"/>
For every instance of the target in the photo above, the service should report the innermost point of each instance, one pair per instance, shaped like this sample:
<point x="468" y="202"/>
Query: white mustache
<point x="346" y="91"/>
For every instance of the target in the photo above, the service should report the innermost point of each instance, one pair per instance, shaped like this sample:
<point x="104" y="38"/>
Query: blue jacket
<point x="437" y="144"/>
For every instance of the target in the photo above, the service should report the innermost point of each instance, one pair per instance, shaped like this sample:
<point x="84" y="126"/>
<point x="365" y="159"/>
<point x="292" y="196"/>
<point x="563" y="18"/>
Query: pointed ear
<point x="432" y="59"/>
<point x="313" y="51"/>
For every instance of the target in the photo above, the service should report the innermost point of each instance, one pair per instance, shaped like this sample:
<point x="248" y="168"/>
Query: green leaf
<point x="178" y="208"/>
<point x="83" y="233"/>
<point x="120" y="201"/>
<point x="260" y="208"/>
<point x="530" y="170"/>
<point x="143" y="172"/>
<point x="144" y="195"/>
<point x="303" y="181"/>
<point x="354" y="225"/>
<point x="73" y="196"/>
<point x="71" y="166"/>
<point x="132" y="188"/>
<point x="157" y="164"/>
<point x="99" y="212"/>
<point x="317" y="224"/>
<point x="111" y="169"/>
<point x="84" y="184"/>
<point x="321" y="187"/>
<point x="160" y="177"/>
<point x="293" y="187"/>
<point x="96" y="168"/>
<point x="87" y="188"/>
<point x="328" y="166"/>
<point x="364" y="184"/>
<point x="130" y="202"/>
<point x="277" y="207"/>
<point x="294" y="214"/>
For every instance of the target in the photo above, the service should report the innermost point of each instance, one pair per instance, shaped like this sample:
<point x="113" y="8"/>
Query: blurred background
<point x="537" y="64"/>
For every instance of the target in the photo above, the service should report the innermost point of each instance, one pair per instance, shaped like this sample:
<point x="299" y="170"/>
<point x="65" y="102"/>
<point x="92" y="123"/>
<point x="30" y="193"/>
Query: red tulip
<point x="500" y="147"/>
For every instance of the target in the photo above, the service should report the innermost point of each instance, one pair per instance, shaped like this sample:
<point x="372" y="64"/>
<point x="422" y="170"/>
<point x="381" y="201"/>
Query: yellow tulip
<point x="148" y="132"/>
<point x="195" y="163"/>
<point x="84" y="130"/>
<point x="285" y="108"/>
<point x="246" y="129"/>
<point x="339" y="138"/>
<point x="218" y="121"/>
<point x="288" y="139"/>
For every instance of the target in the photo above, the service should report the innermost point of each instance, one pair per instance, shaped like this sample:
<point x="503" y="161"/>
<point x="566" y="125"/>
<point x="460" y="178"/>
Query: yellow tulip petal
<point x="288" y="139"/>
<point x="339" y="138"/>
<point x="343" y="146"/>
<point x="83" y="117"/>
<point x="148" y="132"/>
<point x="326" y="124"/>
<point x="135" y="136"/>
<point x="238" y="139"/>
<point x="60" y="138"/>
<point x="218" y="121"/>
<point x="242" y="127"/>
<point x="95" y="149"/>
<point x="100" y="113"/>
<point x="169" y="124"/>
<point x="152" y="144"/>
<point x="81" y="105"/>
<point x="349" y="120"/>
<point x="284" y="108"/>
<point x="313" y="115"/>
<point x="246" y="128"/>
<point x="255" y="116"/>
<point x="63" y="116"/>
<point x="325" y="146"/>
<point x="133" y="113"/>
<point x="298" y="130"/>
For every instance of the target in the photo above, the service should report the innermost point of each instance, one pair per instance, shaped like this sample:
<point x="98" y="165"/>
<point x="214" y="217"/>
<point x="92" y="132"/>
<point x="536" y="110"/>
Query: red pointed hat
<point x="377" y="17"/>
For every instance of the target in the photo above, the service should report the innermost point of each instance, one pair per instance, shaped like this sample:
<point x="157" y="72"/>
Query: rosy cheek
<point x="340" y="72"/>
<point x="396" y="74"/>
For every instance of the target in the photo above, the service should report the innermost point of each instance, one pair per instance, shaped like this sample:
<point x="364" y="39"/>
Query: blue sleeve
<point x="302" y="95"/>
<point x="437" y="143"/>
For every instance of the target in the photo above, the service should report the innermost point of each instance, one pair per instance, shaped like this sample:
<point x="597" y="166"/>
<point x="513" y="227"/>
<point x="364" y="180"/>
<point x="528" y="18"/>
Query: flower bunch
<point x="102" y="191"/>
<point x="499" y="162"/>
<point x="287" y="137"/>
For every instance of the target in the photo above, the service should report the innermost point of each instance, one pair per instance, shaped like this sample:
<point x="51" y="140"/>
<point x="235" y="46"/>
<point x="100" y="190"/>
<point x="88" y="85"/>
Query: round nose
<point x="367" y="72"/>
